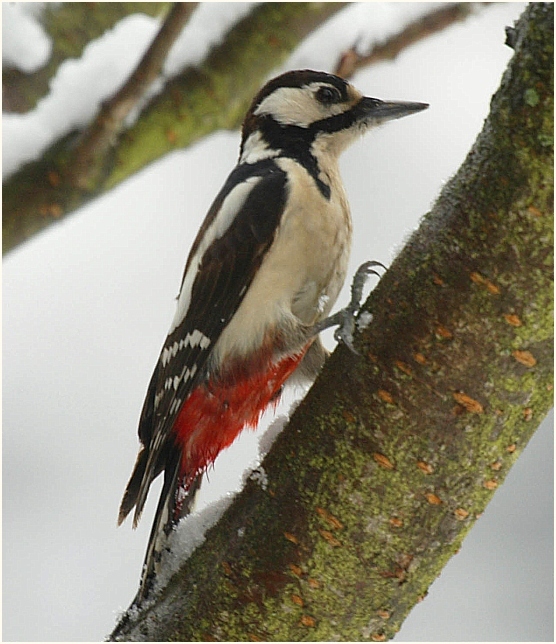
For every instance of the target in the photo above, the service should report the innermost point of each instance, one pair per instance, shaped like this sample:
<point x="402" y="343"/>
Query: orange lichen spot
<point x="291" y="537"/>
<point x="525" y="357"/>
<point x="527" y="413"/>
<point x="461" y="514"/>
<point x="383" y="614"/>
<point x="511" y="448"/>
<point x="443" y="332"/>
<point x="383" y="461"/>
<point x="296" y="599"/>
<point x="396" y="522"/>
<point x="307" y="620"/>
<point x="403" y="367"/>
<point x="477" y="278"/>
<point x="53" y="178"/>
<point x="534" y="211"/>
<point x="491" y="288"/>
<point x="296" y="570"/>
<point x="378" y="637"/>
<point x="420" y="358"/>
<point x="470" y="404"/>
<point x="385" y="396"/>
<point x="313" y="583"/>
<point x="330" y="538"/>
<point x="433" y="499"/>
<point x="491" y="484"/>
<point x="348" y="416"/>
<point x="171" y="136"/>
<point x="437" y="280"/>
<point x="512" y="319"/>
<point x="329" y="518"/>
<point x="425" y="467"/>
<point x="51" y="210"/>
<point x="496" y="466"/>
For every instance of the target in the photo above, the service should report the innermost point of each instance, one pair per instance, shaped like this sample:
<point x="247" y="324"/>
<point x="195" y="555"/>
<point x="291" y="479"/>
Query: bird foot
<point x="345" y="318"/>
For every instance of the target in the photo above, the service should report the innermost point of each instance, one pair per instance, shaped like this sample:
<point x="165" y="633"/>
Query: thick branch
<point x="197" y="102"/>
<point x="392" y="455"/>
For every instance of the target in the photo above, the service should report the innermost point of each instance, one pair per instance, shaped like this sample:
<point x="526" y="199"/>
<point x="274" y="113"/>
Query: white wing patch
<point x="193" y="339"/>
<point x="231" y="205"/>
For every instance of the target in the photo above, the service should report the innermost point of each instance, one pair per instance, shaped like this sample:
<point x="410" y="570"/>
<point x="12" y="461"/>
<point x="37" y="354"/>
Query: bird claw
<point x="345" y="318"/>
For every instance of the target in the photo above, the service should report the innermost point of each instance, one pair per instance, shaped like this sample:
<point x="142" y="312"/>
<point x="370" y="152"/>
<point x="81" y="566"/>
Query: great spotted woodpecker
<point x="262" y="275"/>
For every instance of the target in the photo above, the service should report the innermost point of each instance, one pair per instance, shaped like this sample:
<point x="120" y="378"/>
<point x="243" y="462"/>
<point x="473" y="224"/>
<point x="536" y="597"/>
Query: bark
<point x="394" y="453"/>
<point x="212" y="96"/>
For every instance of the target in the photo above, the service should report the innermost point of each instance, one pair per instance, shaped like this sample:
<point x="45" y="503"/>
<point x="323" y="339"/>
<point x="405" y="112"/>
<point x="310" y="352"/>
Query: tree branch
<point x="89" y="157"/>
<point x="423" y="27"/>
<point x="393" y="454"/>
<point x="71" y="26"/>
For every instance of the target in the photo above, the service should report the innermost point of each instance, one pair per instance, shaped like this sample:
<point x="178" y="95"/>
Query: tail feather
<point x="132" y="489"/>
<point x="168" y="513"/>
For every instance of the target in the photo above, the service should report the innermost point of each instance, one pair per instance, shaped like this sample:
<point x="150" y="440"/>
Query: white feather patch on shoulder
<point x="231" y="205"/>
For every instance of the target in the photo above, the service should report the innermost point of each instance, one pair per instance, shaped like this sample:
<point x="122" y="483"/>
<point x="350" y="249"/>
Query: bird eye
<point x="328" y="95"/>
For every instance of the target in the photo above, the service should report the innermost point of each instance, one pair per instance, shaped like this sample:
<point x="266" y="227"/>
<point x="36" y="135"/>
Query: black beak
<point x="376" y="111"/>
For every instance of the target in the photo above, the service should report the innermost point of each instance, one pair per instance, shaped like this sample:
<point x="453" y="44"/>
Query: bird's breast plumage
<point x="301" y="275"/>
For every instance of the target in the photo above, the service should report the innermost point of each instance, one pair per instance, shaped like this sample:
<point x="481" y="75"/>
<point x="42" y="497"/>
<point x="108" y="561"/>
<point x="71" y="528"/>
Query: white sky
<point x="88" y="303"/>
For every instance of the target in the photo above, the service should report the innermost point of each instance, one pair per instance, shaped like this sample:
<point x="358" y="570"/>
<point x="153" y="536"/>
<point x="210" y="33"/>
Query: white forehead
<point x="299" y="106"/>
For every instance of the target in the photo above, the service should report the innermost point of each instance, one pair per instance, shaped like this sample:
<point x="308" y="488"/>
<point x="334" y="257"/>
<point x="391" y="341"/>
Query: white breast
<point x="303" y="271"/>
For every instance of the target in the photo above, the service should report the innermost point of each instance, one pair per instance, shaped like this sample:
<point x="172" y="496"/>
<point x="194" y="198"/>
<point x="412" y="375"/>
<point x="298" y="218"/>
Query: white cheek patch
<point x="298" y="106"/>
<point x="291" y="106"/>
<point x="230" y="207"/>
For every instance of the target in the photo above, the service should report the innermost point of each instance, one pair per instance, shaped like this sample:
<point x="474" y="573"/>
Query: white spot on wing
<point x="231" y="205"/>
<point x="194" y="339"/>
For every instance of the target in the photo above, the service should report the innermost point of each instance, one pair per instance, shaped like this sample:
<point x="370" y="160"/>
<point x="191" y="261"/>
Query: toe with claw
<point x="345" y="318"/>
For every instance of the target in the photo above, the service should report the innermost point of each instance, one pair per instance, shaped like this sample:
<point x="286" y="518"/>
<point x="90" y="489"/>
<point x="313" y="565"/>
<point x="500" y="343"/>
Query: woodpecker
<point x="261" y="278"/>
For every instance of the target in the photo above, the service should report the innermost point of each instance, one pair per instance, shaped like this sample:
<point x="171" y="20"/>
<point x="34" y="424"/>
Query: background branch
<point x="89" y="156"/>
<point x="392" y="456"/>
<point x="421" y="28"/>
<point x="71" y="26"/>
